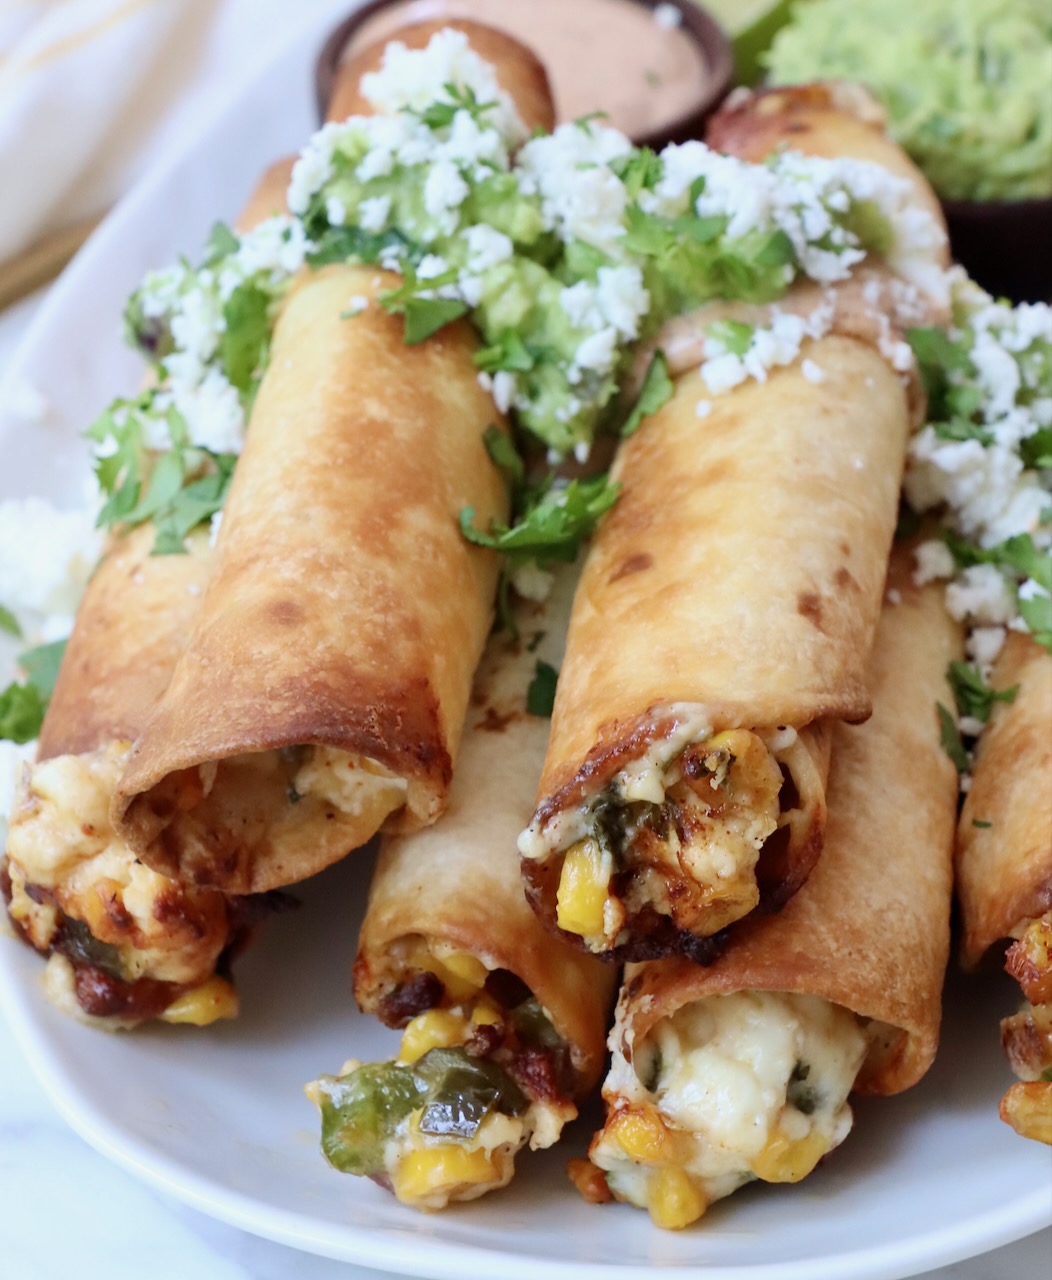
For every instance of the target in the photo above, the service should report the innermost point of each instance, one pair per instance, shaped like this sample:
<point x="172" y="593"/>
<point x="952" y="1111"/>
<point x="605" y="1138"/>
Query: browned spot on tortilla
<point x="844" y="579"/>
<point x="809" y="606"/>
<point x="796" y="126"/>
<point x="285" y="612"/>
<point x="637" y="563"/>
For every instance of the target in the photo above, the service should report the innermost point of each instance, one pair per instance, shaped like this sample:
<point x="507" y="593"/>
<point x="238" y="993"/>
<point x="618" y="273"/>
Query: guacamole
<point x="967" y="87"/>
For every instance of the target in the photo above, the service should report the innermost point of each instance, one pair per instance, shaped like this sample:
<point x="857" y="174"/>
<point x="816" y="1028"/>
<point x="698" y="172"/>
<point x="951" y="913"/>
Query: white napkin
<point x="91" y="91"/>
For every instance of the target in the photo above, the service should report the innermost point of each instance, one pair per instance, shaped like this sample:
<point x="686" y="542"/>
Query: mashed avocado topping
<point x="966" y="86"/>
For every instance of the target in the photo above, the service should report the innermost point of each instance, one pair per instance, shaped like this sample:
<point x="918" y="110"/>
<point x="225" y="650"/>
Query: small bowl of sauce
<point x="654" y="67"/>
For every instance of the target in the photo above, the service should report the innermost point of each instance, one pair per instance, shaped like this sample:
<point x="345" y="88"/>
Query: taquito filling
<point x="123" y="942"/>
<point x="727" y="1090"/>
<point x="1027" y="1035"/>
<point x="677" y="832"/>
<point x="478" y="1076"/>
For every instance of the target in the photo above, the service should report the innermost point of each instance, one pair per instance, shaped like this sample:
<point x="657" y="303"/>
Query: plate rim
<point x="437" y="1259"/>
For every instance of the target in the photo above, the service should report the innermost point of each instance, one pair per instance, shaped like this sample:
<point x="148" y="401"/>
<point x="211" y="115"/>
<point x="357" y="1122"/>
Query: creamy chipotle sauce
<point x="634" y="63"/>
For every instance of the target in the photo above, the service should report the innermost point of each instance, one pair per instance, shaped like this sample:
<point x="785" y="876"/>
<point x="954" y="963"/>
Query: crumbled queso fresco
<point x="563" y="248"/>
<point x="984" y="464"/>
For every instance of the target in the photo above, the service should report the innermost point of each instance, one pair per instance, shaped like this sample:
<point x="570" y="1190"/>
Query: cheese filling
<point x="678" y="831"/>
<point x="71" y="873"/>
<point x="727" y="1090"/>
<point x="444" y="1121"/>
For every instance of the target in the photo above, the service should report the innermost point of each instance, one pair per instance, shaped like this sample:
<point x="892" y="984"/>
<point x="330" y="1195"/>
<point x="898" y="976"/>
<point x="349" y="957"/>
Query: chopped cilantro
<point x="439" y="115"/>
<point x="221" y="243"/>
<point x="540" y="696"/>
<point x="533" y="644"/>
<point x="352" y="244"/>
<point x="41" y="665"/>
<point x="950" y="738"/>
<point x="1036" y="450"/>
<point x="656" y="391"/>
<point x="508" y="352"/>
<point x="22" y="708"/>
<point x="425" y="316"/>
<point x="505" y="457"/>
<point x="978" y="822"/>
<point x="973" y="695"/>
<point x="1046" y="1075"/>
<point x="639" y="170"/>
<point x="246" y="337"/>
<point x="553" y="526"/>
<point x="9" y="623"/>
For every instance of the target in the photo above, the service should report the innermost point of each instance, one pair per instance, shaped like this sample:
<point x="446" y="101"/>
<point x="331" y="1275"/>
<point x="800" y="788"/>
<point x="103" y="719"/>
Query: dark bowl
<point x="694" y="21"/>
<point x="1005" y="245"/>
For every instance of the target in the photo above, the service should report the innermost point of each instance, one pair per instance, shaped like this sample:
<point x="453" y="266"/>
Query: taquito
<point x="323" y="690"/>
<point x="741" y="1070"/>
<point x="723" y="624"/>
<point x="1004" y="869"/>
<point x="504" y="1026"/>
<point x="125" y="944"/>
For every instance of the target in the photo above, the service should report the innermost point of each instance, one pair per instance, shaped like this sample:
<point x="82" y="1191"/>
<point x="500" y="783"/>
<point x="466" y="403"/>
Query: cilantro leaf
<point x="1037" y="614"/>
<point x="352" y="244"/>
<point x="192" y="505"/>
<point x="639" y="170"/>
<point x="221" y="243"/>
<point x="978" y="822"/>
<point x="973" y="696"/>
<point x="1036" y="450"/>
<point x="439" y="115"/>
<point x="656" y="391"/>
<point x="505" y="457"/>
<point x="22" y="708"/>
<point x="425" y="316"/>
<point x="950" y="739"/>
<point x="246" y="336"/>
<point x="553" y="526"/>
<point x="41" y="664"/>
<point x="9" y="623"/>
<point x="540" y="696"/>
<point x="508" y="352"/>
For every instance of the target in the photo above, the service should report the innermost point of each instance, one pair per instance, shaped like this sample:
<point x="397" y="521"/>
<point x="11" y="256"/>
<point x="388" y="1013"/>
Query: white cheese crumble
<point x="770" y="347"/>
<point x="667" y="16"/>
<point x="813" y="372"/>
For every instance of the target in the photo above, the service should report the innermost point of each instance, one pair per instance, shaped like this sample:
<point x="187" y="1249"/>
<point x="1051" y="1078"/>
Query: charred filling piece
<point x="1027" y="1035"/>
<point x="480" y="1073"/>
<point x="123" y="943"/>
<point x="727" y="1090"/>
<point x="671" y="847"/>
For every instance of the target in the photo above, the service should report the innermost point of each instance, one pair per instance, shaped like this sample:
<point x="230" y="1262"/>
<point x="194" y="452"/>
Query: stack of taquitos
<point x="504" y="1027"/>
<point x="723" y="624"/>
<point x="741" y="1070"/>
<point x="323" y="689"/>
<point x="1004" y="869"/>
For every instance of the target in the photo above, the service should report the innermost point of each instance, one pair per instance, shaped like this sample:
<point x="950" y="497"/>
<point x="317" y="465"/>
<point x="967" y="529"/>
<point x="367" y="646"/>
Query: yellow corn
<point x="582" y="890"/>
<point x="786" y="1159"/>
<point x="434" y="1169"/>
<point x="211" y="1001"/>
<point x="673" y="1200"/>
<point x="486" y="1014"/>
<point x="436" y="1029"/>
<point x="641" y="1135"/>
<point x="462" y="974"/>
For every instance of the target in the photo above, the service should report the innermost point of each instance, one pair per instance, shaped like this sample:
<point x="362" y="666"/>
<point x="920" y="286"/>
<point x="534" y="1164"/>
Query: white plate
<point x="217" y="1117"/>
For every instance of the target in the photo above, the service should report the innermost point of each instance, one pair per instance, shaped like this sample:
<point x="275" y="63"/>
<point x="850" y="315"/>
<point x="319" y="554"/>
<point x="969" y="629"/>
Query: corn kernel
<point x="582" y="890"/>
<point x="786" y="1159"/>
<point x="211" y="1001"/>
<point x="435" y="1029"/>
<point x="673" y="1200"/>
<point x="641" y="1135"/>
<point x="430" y="1170"/>
<point x="486" y="1014"/>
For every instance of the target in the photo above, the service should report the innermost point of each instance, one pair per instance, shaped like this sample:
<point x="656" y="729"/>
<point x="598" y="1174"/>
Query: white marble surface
<point x="65" y="1210"/>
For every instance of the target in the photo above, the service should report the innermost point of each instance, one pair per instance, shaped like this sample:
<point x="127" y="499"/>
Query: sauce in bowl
<point x="637" y="64"/>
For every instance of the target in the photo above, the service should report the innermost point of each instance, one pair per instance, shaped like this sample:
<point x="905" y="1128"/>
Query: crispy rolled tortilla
<point x="728" y="608"/>
<point x="124" y="943"/>
<point x="723" y="623"/>
<point x="519" y="72"/>
<point x="323" y="688"/>
<point x="741" y="1070"/>
<point x="1004" y="869"/>
<point x="451" y="952"/>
